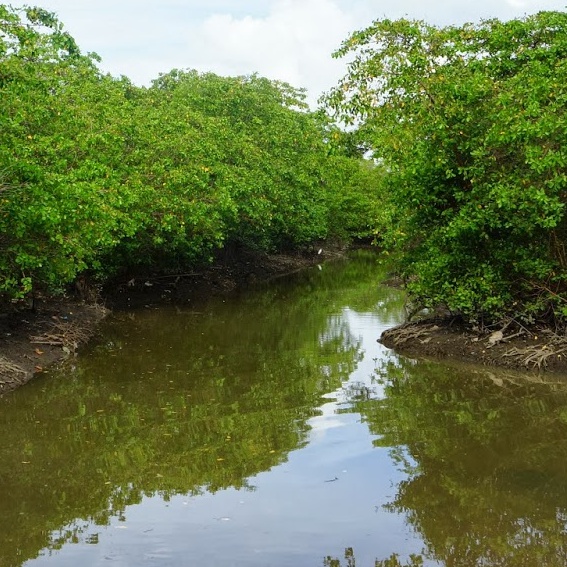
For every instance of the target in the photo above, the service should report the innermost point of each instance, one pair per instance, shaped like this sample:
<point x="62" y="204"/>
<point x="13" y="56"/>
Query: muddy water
<point x="270" y="428"/>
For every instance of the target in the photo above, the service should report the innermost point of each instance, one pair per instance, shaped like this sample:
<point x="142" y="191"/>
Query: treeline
<point x="469" y="124"/>
<point x="99" y="176"/>
<point x="467" y="189"/>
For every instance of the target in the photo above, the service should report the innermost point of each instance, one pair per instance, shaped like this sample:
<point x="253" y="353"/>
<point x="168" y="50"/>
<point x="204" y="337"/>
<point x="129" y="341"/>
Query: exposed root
<point x="410" y="332"/>
<point x="510" y="345"/>
<point x="537" y="356"/>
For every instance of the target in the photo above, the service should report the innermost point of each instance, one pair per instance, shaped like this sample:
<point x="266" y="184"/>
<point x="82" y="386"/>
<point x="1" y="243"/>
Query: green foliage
<point x="355" y="207"/>
<point x="267" y="155"/>
<point x="98" y="175"/>
<point x="468" y="125"/>
<point x="392" y="561"/>
<point x="57" y="156"/>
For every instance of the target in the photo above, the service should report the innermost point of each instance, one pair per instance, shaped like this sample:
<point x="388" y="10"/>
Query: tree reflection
<point x="175" y="403"/>
<point x="350" y="560"/>
<point x="392" y="561"/>
<point x="486" y="458"/>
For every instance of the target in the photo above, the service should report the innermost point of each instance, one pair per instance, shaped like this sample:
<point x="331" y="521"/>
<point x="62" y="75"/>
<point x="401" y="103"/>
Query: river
<point x="270" y="428"/>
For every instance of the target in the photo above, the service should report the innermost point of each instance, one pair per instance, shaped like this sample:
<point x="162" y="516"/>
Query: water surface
<point x="270" y="428"/>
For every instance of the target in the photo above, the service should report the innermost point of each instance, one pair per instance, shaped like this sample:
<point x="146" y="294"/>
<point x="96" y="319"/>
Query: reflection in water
<point x="415" y="560"/>
<point x="256" y="430"/>
<point x="486" y="461"/>
<point x="177" y="402"/>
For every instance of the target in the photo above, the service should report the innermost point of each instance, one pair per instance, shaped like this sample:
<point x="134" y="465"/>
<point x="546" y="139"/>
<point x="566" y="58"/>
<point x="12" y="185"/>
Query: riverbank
<point x="32" y="340"/>
<point x="510" y="346"/>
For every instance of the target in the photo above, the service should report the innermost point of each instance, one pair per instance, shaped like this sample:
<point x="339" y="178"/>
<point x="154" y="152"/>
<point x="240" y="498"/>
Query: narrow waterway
<point x="269" y="428"/>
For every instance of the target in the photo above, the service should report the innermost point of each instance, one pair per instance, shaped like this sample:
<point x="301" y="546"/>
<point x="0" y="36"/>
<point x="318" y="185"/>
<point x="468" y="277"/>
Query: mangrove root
<point x="537" y="355"/>
<point x="410" y="332"/>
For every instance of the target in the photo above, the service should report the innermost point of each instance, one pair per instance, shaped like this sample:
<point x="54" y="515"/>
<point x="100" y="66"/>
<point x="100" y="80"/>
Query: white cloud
<point x="291" y="40"/>
<point x="293" y="43"/>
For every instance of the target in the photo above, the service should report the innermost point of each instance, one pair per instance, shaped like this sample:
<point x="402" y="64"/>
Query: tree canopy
<point x="468" y="125"/>
<point x="98" y="175"/>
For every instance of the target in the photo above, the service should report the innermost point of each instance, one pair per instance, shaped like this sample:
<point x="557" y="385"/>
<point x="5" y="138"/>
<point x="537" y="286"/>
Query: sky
<point x="287" y="40"/>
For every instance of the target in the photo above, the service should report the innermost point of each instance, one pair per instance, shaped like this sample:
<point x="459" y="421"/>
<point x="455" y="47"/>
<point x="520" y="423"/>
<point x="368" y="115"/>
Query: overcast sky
<point x="289" y="40"/>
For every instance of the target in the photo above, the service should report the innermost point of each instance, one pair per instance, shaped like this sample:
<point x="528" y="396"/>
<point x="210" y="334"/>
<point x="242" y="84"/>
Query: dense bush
<point x="468" y="125"/>
<point x="99" y="175"/>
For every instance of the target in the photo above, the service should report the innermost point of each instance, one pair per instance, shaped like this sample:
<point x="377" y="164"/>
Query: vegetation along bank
<point x="465" y="189"/>
<point x="104" y="181"/>
<point x="469" y="126"/>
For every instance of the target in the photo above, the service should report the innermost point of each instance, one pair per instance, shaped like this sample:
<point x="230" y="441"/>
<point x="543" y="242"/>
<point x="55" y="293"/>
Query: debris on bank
<point x="512" y="346"/>
<point x="32" y="340"/>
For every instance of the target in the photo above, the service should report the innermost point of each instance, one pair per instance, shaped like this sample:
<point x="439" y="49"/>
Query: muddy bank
<point x="506" y="346"/>
<point x="232" y="269"/>
<point x="31" y="340"/>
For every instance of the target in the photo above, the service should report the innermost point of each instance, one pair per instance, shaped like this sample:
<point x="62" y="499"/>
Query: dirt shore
<point x="31" y="340"/>
<point x="510" y="346"/>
